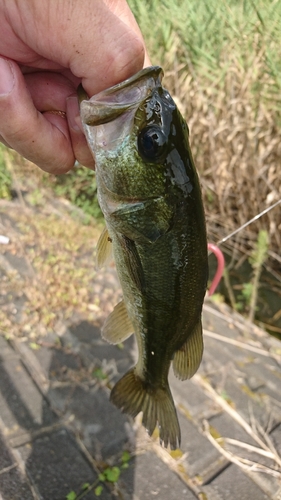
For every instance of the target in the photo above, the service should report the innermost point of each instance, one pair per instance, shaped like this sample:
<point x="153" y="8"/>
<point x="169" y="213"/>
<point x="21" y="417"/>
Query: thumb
<point x="94" y="39"/>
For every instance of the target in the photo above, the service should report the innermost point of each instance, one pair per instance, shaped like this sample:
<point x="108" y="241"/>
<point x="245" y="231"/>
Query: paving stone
<point x="268" y="484"/>
<point x="6" y="351"/>
<point x="6" y="217"/>
<point x="225" y="426"/>
<point x="5" y="457"/>
<point x="22" y="406"/>
<point x="233" y="484"/>
<point x="191" y="396"/>
<point x="275" y="435"/>
<point x="265" y="481"/>
<point x="60" y="397"/>
<point x="55" y="362"/>
<point x="53" y="460"/>
<point x="55" y="465"/>
<point x="148" y="477"/>
<point x="101" y="425"/>
<point x="220" y="354"/>
<point x="85" y="332"/>
<point x="85" y="338"/>
<point x="3" y="274"/>
<point x="13" y="303"/>
<point x="214" y="323"/>
<point x="5" y="267"/>
<point x="13" y="486"/>
<point x="33" y="366"/>
<point x="231" y="384"/>
<point x="21" y="264"/>
<point x="200" y="452"/>
<point x="270" y="374"/>
<point x="108" y="356"/>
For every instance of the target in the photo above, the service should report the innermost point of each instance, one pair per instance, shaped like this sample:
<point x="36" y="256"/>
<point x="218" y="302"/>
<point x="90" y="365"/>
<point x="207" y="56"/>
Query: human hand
<point x="49" y="48"/>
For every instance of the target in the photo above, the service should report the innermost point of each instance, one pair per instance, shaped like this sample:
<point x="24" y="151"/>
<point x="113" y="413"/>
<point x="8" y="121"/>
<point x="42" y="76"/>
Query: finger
<point x="42" y="139"/>
<point x="53" y="92"/>
<point x="49" y="90"/>
<point x="121" y="53"/>
<point x="87" y="37"/>
<point x="123" y="11"/>
<point x="4" y="142"/>
<point x="79" y="144"/>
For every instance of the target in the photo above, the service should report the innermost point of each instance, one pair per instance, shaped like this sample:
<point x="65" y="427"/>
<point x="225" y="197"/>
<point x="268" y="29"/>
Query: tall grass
<point x="222" y="62"/>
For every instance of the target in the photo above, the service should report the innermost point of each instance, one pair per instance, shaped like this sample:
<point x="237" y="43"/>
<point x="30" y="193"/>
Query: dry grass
<point x="265" y="446"/>
<point x="238" y="154"/>
<point x="221" y="64"/>
<point x="56" y="276"/>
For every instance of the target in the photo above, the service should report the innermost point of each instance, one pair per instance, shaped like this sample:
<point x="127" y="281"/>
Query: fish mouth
<point x="115" y="101"/>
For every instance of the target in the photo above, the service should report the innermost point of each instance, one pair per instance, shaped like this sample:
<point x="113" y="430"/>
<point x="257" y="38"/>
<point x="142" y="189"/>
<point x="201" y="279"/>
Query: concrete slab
<point x="55" y="466"/>
<point x="13" y="484"/>
<point x="200" y="453"/>
<point x="101" y="426"/>
<point x="191" y="398"/>
<point x="45" y="407"/>
<point x="150" y="478"/>
<point x="233" y="484"/>
<point x="22" y="406"/>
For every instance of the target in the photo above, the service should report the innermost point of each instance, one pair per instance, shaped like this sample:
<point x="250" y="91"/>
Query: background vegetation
<point x="222" y="62"/>
<point x="222" y="65"/>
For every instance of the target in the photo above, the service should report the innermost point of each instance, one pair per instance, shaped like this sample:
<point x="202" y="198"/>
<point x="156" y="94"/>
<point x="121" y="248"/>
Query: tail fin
<point x="132" y="395"/>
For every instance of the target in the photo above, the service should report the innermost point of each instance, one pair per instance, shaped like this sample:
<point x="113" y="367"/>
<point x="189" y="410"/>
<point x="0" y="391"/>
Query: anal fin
<point x="118" y="326"/>
<point x="188" y="358"/>
<point x="104" y="250"/>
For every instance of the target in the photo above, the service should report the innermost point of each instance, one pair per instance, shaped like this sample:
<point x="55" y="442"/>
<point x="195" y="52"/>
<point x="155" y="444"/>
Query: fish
<point x="150" y="195"/>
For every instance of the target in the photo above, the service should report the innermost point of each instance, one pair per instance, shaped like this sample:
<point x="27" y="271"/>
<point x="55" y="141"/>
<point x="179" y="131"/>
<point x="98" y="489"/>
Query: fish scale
<point x="149" y="192"/>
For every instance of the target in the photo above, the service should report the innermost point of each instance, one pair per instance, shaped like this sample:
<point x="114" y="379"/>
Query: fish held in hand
<point x="149" y="192"/>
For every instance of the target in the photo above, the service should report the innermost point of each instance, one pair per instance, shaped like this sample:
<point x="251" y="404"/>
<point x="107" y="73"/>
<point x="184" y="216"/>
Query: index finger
<point x="41" y="138"/>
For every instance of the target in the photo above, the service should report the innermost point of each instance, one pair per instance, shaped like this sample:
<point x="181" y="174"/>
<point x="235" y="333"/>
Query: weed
<point x="247" y="299"/>
<point x="98" y="490"/>
<point x="78" y="186"/>
<point x="109" y="474"/>
<point x="35" y="198"/>
<point x="71" y="496"/>
<point x="99" y="374"/>
<point x="5" y="175"/>
<point x="34" y="346"/>
<point x="257" y="259"/>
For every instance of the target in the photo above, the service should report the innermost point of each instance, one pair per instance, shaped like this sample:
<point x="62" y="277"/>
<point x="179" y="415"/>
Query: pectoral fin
<point x="104" y="250"/>
<point x="117" y="326"/>
<point x="187" y="359"/>
<point x="147" y="220"/>
<point x="133" y="262"/>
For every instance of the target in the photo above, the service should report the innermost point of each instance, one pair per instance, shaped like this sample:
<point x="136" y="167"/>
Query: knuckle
<point x="128" y="58"/>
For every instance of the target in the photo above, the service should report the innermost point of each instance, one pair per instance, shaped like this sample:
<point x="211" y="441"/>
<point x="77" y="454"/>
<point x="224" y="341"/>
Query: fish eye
<point x="152" y="144"/>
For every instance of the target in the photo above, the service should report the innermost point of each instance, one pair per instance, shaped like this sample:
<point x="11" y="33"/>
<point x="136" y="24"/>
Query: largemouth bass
<point x="149" y="192"/>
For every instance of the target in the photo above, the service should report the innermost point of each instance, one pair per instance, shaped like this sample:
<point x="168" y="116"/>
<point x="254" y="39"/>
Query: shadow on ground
<point x="54" y="443"/>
